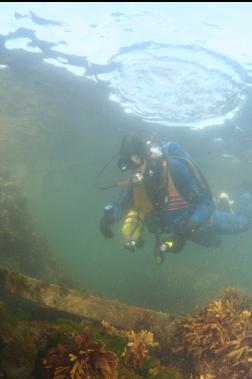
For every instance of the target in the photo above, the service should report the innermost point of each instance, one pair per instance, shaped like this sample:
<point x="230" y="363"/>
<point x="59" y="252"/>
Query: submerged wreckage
<point x="62" y="332"/>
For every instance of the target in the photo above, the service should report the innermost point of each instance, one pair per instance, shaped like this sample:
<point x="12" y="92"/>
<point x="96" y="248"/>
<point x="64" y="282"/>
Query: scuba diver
<point x="167" y="192"/>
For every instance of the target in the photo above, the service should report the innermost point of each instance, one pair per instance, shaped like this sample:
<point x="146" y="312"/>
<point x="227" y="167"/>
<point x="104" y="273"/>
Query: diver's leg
<point x="224" y="203"/>
<point x="237" y="222"/>
<point x="207" y="237"/>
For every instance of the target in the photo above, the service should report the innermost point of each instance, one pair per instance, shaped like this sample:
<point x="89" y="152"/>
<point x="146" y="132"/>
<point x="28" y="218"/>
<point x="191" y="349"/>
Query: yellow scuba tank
<point x="133" y="226"/>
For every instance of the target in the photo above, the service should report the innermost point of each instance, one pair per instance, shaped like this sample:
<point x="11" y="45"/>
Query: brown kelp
<point x="82" y="358"/>
<point x="216" y="342"/>
<point x="137" y="346"/>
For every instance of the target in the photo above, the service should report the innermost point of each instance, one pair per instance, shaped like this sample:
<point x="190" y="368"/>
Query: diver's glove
<point x="106" y="222"/>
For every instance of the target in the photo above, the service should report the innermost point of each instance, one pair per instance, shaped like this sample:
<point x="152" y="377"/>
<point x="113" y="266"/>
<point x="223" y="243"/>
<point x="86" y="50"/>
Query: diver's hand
<point x="105" y="227"/>
<point x="106" y="222"/>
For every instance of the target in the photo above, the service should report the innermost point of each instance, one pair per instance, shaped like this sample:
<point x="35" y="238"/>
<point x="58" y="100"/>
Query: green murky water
<point x="57" y="131"/>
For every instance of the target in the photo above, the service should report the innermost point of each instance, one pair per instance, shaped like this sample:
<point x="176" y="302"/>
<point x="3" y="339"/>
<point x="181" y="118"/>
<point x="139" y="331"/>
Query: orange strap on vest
<point x="142" y="201"/>
<point x="175" y="200"/>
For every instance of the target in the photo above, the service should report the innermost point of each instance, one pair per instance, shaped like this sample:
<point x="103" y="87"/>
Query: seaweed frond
<point x="82" y="358"/>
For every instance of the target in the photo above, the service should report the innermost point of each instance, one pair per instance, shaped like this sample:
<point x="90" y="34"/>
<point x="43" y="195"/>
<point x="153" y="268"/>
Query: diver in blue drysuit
<point x="180" y="201"/>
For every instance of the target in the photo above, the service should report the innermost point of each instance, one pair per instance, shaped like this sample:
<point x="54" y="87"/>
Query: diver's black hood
<point x="131" y="145"/>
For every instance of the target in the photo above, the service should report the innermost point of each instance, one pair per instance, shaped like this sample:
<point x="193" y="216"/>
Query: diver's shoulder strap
<point x="196" y="172"/>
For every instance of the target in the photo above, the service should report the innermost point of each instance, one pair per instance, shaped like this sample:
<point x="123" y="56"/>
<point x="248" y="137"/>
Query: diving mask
<point x="125" y="164"/>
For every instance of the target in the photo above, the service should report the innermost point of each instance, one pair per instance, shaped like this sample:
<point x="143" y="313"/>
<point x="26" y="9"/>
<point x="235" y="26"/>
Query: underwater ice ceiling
<point x="177" y="85"/>
<point x="176" y="66"/>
